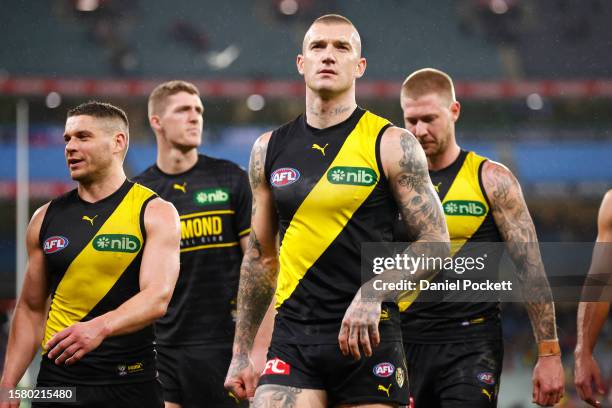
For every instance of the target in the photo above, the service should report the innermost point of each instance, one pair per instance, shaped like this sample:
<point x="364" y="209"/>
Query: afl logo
<point x="486" y="378"/>
<point x="55" y="244"/>
<point x="284" y="176"/>
<point x="384" y="370"/>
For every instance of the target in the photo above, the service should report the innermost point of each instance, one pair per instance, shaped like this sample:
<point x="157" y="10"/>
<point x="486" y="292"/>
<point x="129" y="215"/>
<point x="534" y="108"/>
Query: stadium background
<point x="534" y="79"/>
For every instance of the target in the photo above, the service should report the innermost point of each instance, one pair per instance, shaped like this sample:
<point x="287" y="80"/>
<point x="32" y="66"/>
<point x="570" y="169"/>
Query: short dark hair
<point x="100" y="110"/>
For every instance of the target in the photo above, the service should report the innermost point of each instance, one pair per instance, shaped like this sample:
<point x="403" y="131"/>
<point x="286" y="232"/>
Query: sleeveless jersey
<point x="92" y="254"/>
<point x="213" y="199"/>
<point x="470" y="221"/>
<point x="331" y="195"/>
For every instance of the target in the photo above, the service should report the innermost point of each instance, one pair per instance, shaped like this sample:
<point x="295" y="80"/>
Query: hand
<point x="241" y="379"/>
<point x="548" y="381"/>
<point x="4" y="397"/>
<point x="586" y="372"/>
<point x="360" y="327"/>
<point x="71" y="344"/>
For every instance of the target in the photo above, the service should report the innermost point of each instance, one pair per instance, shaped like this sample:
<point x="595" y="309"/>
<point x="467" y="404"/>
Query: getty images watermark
<point x="485" y="271"/>
<point x="411" y="263"/>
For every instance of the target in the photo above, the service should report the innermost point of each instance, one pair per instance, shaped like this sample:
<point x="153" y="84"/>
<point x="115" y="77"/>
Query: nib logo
<point x="211" y="196"/>
<point x="461" y="207"/>
<point x="116" y="243"/>
<point x="356" y="176"/>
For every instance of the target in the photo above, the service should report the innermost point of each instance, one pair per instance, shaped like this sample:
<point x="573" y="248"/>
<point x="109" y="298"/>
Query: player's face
<point x="331" y="59"/>
<point x="90" y="147"/>
<point x="182" y="121"/>
<point x="431" y="119"/>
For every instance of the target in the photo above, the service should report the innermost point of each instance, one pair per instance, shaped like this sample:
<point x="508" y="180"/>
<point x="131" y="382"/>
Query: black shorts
<point x="378" y="379"/>
<point x="454" y="375"/>
<point x="193" y="376"/>
<point x="145" y="395"/>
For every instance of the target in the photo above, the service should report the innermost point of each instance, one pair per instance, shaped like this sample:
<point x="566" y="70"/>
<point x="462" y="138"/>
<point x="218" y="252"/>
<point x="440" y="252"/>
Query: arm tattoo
<point x="256" y="165"/>
<point x="258" y="270"/>
<point x="516" y="227"/>
<point x="420" y="210"/>
<point x="276" y="396"/>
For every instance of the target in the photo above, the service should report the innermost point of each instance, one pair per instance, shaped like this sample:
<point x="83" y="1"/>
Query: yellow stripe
<point x="228" y="244"/>
<point x="93" y="273"/>
<point x="328" y="208"/>
<point x="465" y="187"/>
<point x="207" y="213"/>
<point x="244" y="232"/>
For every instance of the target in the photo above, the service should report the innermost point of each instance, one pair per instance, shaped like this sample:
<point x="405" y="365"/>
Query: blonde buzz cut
<point x="157" y="99"/>
<point x="426" y="81"/>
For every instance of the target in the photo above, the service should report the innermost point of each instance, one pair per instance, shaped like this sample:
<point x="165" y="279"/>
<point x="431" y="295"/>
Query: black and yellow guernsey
<point x="92" y="254"/>
<point x="471" y="226"/>
<point x="331" y="195"/>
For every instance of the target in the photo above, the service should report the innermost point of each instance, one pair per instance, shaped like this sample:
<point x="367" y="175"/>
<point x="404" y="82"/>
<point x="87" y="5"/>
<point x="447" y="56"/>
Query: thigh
<point x="145" y="395"/>
<point x="203" y="369"/>
<point x="379" y="380"/>
<point x="471" y="377"/>
<point x="168" y="367"/>
<point x="421" y="361"/>
<point x="282" y="396"/>
<point x="290" y="366"/>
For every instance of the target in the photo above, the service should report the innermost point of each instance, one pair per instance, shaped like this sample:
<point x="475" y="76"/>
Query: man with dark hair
<point x="592" y="315"/>
<point x="454" y="347"/>
<point x="326" y="182"/>
<point x="194" y="339"/>
<point x="103" y="262"/>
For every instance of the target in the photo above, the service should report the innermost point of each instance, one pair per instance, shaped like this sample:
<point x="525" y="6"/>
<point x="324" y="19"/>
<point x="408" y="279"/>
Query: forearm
<point x="538" y="299"/>
<point x="136" y="313"/>
<point x="257" y="284"/>
<point x="591" y="318"/>
<point x="27" y="330"/>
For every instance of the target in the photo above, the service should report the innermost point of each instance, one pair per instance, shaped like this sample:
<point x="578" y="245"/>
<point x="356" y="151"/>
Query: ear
<point x="361" y="67"/>
<point x="121" y="142"/>
<point x="155" y="123"/>
<point x="299" y="62"/>
<point x="455" y="110"/>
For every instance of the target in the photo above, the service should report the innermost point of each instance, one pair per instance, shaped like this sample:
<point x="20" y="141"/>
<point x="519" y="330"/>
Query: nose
<point x="420" y="129"/>
<point x="194" y="116"/>
<point x="70" y="146"/>
<point x="328" y="56"/>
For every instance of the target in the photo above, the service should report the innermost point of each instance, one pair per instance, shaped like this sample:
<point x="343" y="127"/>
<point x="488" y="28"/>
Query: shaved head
<point x="426" y="81"/>
<point x="333" y="19"/>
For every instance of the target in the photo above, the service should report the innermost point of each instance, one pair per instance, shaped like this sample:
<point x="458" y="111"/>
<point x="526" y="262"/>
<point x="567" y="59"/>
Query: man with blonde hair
<point x="103" y="262"/>
<point x="194" y="339"/>
<point x="454" y="347"/>
<point x="326" y="182"/>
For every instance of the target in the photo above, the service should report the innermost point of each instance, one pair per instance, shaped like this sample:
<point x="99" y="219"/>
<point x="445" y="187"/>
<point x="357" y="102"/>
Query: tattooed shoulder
<point x="499" y="183"/>
<point x="258" y="160"/>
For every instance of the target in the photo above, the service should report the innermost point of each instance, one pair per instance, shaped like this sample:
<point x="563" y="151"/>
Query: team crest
<point x="400" y="376"/>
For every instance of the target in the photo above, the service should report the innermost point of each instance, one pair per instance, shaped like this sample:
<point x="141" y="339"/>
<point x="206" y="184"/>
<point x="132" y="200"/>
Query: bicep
<point x="35" y="289"/>
<point x="264" y="218"/>
<point x="161" y="253"/>
<point x="604" y="220"/>
<point x="508" y="205"/>
<point x="406" y="167"/>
